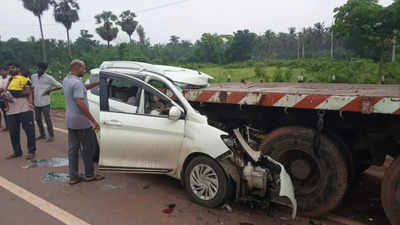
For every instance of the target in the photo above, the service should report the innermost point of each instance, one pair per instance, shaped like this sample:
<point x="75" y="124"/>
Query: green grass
<point x="57" y="100"/>
<point x="57" y="97"/>
<point x="221" y="74"/>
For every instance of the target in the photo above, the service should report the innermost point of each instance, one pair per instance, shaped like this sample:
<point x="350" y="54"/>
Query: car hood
<point x="187" y="76"/>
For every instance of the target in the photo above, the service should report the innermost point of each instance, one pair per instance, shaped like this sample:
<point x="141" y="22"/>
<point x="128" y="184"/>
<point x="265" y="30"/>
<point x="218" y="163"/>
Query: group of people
<point x="24" y="98"/>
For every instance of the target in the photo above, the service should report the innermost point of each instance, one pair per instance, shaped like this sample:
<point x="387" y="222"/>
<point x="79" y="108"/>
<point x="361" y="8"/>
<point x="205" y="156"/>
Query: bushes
<point x="323" y="70"/>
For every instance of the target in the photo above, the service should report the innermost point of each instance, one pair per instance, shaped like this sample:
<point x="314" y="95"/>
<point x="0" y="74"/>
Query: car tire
<point x="206" y="182"/>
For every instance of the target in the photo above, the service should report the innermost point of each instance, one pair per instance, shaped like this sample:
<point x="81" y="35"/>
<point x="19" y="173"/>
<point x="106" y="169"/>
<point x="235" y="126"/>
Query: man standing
<point x="4" y="78"/>
<point x="80" y="123"/>
<point x="43" y="84"/>
<point x="20" y="112"/>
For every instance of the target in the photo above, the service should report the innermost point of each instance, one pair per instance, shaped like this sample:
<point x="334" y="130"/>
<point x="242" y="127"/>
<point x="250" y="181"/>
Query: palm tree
<point x="128" y="23"/>
<point x="141" y="34"/>
<point x="107" y="31"/>
<point x="37" y="7"/>
<point x="66" y="12"/>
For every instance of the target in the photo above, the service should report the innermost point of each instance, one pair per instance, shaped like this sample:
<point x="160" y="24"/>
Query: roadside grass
<point x="57" y="97"/>
<point x="57" y="100"/>
<point x="253" y="74"/>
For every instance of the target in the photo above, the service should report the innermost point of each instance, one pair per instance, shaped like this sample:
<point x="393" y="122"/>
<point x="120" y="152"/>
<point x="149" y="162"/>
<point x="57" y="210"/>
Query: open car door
<point x="135" y="136"/>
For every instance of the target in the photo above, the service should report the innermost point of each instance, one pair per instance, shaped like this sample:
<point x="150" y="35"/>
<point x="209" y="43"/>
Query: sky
<point x="187" y="19"/>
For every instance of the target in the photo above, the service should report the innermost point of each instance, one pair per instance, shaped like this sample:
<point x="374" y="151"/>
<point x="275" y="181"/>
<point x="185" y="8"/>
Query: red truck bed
<point x="340" y="97"/>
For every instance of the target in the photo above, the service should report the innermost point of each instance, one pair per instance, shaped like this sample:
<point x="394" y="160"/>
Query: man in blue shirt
<point x="80" y="123"/>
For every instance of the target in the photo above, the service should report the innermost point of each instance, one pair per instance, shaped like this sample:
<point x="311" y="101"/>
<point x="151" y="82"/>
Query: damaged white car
<point x="146" y="130"/>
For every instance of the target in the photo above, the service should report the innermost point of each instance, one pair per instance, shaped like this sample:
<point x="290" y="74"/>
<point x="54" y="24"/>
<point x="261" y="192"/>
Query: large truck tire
<point x="320" y="180"/>
<point x="390" y="192"/>
<point x="351" y="163"/>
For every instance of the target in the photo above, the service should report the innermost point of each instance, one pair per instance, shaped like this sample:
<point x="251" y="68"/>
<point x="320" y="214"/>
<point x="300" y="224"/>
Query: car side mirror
<point x="174" y="113"/>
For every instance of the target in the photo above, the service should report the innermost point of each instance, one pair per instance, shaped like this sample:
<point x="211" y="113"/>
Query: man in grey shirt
<point x="43" y="84"/>
<point x="80" y="123"/>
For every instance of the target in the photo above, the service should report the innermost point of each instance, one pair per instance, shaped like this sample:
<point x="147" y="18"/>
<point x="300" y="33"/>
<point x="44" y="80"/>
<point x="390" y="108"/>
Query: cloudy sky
<point x="187" y="19"/>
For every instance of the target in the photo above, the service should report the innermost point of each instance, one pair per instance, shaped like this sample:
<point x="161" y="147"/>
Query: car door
<point x="134" y="139"/>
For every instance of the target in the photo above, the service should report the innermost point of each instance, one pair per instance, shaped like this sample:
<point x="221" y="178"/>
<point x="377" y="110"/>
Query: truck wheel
<point x="206" y="182"/>
<point x="320" y="182"/>
<point x="348" y="156"/>
<point x="390" y="192"/>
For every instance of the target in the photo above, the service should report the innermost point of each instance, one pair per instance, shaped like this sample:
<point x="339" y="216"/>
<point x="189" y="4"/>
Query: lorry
<point x="325" y="135"/>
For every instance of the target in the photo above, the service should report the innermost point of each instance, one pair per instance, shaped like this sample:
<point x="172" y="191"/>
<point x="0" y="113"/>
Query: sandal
<point x="75" y="181"/>
<point x="97" y="177"/>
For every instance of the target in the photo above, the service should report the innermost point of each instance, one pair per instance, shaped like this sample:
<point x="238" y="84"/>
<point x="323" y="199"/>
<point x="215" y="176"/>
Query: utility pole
<point x="394" y="42"/>
<point x="332" y="43"/>
<point x="298" y="47"/>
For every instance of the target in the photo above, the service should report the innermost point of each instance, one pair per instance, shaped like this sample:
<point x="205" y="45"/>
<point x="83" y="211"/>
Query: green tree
<point x="66" y="13"/>
<point x="174" y="40"/>
<point x="210" y="48"/>
<point x="107" y="30"/>
<point x="85" y="42"/>
<point x="142" y="36"/>
<point x="367" y="27"/>
<point x="128" y="23"/>
<point x="242" y="46"/>
<point x="37" y="7"/>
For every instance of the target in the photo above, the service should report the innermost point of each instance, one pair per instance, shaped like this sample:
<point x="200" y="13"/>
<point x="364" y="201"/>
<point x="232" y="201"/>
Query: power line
<point x="90" y="21"/>
<point x="162" y="6"/>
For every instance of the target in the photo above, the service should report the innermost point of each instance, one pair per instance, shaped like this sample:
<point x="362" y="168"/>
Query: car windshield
<point x="181" y="86"/>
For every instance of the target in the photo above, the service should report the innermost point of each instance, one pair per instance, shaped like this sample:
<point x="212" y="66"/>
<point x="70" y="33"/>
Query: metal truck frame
<point x="324" y="134"/>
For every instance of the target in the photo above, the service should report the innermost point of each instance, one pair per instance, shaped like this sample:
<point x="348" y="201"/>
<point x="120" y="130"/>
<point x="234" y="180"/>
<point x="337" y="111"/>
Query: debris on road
<point x="147" y="186"/>
<point x="55" y="177"/>
<point x="52" y="162"/>
<point x="170" y="209"/>
<point x="227" y="207"/>
<point x="110" y="187"/>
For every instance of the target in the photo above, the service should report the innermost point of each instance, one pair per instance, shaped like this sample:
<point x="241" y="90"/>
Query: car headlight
<point x="228" y="140"/>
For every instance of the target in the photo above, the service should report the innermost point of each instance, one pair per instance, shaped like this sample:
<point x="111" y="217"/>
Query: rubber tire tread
<point x="390" y="203"/>
<point x="331" y="192"/>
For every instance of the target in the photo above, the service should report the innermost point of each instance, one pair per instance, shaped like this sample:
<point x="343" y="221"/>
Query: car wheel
<point x="206" y="182"/>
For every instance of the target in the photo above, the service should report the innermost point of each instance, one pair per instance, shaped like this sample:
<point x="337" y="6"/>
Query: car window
<point x="165" y="89"/>
<point x="122" y="95"/>
<point x="156" y="105"/>
<point x="95" y="90"/>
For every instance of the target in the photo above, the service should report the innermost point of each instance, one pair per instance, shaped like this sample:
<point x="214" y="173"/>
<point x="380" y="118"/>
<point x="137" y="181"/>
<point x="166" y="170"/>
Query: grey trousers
<point x="45" y="110"/>
<point x="80" y="140"/>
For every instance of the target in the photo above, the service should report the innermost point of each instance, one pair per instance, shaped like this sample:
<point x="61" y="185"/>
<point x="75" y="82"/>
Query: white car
<point x="144" y="130"/>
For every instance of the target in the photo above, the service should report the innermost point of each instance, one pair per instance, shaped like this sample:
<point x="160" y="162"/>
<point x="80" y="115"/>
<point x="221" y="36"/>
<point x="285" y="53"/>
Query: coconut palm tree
<point x="66" y="12"/>
<point x="37" y="7"/>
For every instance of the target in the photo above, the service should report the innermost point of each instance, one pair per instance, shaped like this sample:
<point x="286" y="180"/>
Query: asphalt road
<point x="119" y="199"/>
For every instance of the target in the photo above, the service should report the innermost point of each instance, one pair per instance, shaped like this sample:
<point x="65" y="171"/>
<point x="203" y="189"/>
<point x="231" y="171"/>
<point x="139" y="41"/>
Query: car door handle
<point x="115" y="123"/>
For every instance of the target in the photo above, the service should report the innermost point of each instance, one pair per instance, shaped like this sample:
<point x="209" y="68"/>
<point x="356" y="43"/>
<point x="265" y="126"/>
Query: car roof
<point x="176" y="74"/>
<point x="133" y="73"/>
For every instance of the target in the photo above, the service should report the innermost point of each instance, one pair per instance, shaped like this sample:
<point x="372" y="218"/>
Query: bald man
<point x="80" y="123"/>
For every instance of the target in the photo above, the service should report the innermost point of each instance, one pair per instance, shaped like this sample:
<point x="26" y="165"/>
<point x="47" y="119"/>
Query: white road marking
<point x="45" y="206"/>
<point x="61" y="130"/>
